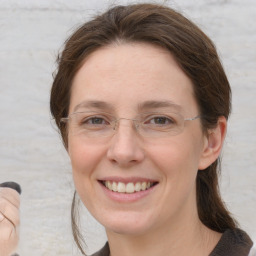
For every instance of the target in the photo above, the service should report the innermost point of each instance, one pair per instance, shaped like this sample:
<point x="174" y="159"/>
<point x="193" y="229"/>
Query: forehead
<point x="129" y="74"/>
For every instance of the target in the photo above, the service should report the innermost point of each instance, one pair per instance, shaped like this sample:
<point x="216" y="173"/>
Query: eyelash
<point x="166" y="118"/>
<point x="89" y="119"/>
<point x="104" y="120"/>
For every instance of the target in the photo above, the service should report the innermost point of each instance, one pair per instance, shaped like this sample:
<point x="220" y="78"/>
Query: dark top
<point x="232" y="243"/>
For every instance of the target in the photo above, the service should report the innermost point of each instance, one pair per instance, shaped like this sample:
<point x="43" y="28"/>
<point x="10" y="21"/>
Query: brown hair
<point x="193" y="51"/>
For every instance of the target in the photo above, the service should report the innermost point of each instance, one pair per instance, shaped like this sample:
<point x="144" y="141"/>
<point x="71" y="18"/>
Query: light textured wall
<point x="31" y="33"/>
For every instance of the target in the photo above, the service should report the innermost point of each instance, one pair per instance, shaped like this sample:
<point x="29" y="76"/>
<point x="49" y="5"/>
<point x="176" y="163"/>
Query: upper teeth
<point x="129" y="187"/>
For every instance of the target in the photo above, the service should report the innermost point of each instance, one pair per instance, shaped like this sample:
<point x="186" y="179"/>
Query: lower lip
<point x="126" y="197"/>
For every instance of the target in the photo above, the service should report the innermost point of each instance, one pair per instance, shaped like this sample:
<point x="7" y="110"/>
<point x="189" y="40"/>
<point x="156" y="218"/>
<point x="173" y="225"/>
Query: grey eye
<point x="96" y="120"/>
<point x="161" y="120"/>
<point x="93" y="121"/>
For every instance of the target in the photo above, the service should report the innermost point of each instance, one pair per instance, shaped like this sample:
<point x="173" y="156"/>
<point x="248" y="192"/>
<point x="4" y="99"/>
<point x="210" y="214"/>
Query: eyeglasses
<point x="100" y="124"/>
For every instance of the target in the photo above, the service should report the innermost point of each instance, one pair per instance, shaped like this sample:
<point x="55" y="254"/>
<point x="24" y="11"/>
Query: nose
<point x="125" y="148"/>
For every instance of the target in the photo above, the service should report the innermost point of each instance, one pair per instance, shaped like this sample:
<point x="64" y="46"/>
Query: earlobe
<point x="213" y="144"/>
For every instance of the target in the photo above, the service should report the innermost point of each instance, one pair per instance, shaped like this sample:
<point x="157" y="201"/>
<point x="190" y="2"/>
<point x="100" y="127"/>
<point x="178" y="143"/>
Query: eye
<point x="90" y="121"/>
<point x="94" y="121"/>
<point x="160" y="120"/>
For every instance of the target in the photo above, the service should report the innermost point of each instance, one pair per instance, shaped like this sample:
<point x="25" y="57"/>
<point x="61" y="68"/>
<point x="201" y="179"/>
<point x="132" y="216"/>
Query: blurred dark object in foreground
<point x="11" y="184"/>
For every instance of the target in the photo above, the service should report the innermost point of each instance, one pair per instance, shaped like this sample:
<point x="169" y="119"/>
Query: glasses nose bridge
<point x="117" y="122"/>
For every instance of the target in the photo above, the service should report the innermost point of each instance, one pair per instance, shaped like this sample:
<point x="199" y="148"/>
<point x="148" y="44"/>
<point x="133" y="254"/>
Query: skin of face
<point x="125" y="77"/>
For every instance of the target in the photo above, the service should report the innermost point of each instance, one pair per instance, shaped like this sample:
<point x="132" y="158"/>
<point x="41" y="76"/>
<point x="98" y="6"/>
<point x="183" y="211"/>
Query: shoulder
<point x="103" y="251"/>
<point x="234" y="242"/>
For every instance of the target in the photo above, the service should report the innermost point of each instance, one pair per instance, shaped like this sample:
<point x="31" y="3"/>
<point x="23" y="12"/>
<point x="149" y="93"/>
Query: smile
<point x="128" y="188"/>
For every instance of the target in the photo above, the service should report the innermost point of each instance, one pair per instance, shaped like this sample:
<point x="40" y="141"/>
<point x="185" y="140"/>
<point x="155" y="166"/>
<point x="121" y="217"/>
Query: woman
<point x="142" y="101"/>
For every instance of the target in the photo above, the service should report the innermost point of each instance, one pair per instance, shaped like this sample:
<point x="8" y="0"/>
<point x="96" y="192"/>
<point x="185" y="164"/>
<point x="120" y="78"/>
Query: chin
<point x="127" y="224"/>
<point x="128" y="230"/>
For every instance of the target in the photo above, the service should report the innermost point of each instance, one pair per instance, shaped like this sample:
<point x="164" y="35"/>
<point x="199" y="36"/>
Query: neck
<point x="188" y="238"/>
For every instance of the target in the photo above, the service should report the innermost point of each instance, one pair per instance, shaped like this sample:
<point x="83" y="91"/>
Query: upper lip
<point x="127" y="179"/>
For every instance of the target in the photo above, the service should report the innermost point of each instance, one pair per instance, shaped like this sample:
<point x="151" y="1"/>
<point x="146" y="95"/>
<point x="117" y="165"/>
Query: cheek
<point x="178" y="159"/>
<point x="84" y="157"/>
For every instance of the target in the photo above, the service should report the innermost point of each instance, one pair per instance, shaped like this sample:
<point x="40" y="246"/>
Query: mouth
<point x="128" y="188"/>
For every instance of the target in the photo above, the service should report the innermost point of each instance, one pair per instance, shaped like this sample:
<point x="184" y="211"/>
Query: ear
<point x="213" y="143"/>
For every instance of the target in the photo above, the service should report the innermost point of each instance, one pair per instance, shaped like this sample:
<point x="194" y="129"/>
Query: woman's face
<point x="124" y="81"/>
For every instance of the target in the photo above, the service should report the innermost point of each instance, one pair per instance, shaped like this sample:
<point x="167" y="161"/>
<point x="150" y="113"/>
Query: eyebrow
<point x="153" y="104"/>
<point x="94" y="104"/>
<point x="144" y="106"/>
